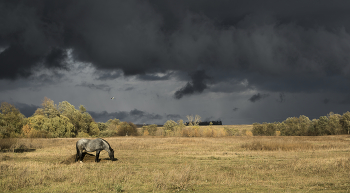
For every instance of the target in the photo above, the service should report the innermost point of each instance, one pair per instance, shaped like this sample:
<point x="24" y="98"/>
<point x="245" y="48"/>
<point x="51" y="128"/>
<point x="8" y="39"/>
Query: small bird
<point x="112" y="98"/>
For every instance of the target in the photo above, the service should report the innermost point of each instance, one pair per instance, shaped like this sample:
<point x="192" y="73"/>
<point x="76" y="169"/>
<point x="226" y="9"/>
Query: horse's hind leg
<point x="97" y="155"/>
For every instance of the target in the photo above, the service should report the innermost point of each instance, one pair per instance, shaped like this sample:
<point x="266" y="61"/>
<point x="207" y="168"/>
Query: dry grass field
<point x="171" y="164"/>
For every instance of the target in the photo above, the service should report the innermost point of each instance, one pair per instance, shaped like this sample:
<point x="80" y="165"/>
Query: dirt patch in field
<point x="87" y="158"/>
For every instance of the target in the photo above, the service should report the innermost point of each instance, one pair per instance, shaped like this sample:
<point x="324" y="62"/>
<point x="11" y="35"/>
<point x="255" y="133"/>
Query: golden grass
<point x="158" y="164"/>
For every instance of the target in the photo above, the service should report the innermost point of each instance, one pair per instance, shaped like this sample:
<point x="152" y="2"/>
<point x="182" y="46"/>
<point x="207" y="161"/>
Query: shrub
<point x="7" y="143"/>
<point x="258" y="129"/>
<point x="231" y="131"/>
<point x="145" y="132"/>
<point x="249" y="133"/>
<point x="151" y="129"/>
<point x="170" y="125"/>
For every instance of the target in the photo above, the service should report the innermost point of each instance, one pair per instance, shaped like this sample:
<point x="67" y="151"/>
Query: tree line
<point x="62" y="120"/>
<point x="332" y="124"/>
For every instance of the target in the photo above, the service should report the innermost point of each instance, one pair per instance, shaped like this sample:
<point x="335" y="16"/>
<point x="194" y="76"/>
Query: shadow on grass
<point x="87" y="158"/>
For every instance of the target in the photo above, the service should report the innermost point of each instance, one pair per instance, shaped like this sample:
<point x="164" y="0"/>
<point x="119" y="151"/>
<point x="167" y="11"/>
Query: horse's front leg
<point x="81" y="156"/>
<point x="97" y="155"/>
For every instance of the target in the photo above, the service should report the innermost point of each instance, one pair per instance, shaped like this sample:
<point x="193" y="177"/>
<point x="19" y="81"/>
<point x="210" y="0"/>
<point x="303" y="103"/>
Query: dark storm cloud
<point x="26" y="109"/>
<point x="258" y="97"/>
<point x="298" y="45"/>
<point x="196" y="85"/>
<point x="102" y="87"/>
<point x="326" y="101"/>
<point x="136" y="116"/>
<point x="345" y="101"/>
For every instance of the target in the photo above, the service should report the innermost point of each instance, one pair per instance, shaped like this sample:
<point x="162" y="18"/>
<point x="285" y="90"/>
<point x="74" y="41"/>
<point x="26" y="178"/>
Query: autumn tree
<point x="49" y="109"/>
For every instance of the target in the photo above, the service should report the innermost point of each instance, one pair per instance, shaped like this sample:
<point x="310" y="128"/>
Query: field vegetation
<point x="170" y="164"/>
<point x="64" y="120"/>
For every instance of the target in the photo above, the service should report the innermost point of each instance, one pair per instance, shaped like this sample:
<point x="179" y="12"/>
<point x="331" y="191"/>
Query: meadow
<point x="187" y="164"/>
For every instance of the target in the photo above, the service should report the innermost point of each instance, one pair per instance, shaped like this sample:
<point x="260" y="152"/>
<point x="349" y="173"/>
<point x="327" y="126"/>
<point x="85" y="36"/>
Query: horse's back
<point x="90" y="145"/>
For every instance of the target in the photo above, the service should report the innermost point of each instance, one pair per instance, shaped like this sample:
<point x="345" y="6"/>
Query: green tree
<point x="52" y="127"/>
<point x="102" y="126"/>
<point x="345" y="122"/>
<point x="296" y="126"/>
<point x="94" y="131"/>
<point x="11" y="120"/>
<point x="322" y="126"/>
<point x="334" y="126"/>
<point x="80" y="119"/>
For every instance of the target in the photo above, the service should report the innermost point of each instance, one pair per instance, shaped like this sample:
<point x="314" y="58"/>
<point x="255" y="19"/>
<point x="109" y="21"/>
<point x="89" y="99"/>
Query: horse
<point x="91" y="145"/>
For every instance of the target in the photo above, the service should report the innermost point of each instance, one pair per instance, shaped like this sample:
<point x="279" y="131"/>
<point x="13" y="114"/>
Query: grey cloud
<point x="129" y="88"/>
<point x="135" y="116"/>
<point x="103" y="87"/>
<point x="108" y="75"/>
<point x="258" y="97"/>
<point x="235" y="109"/>
<point x="173" y="117"/>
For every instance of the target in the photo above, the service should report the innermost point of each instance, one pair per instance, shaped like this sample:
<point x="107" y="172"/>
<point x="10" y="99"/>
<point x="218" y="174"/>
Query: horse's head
<point x="111" y="154"/>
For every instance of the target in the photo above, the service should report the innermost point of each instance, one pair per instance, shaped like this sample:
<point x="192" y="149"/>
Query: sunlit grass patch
<point x="277" y="145"/>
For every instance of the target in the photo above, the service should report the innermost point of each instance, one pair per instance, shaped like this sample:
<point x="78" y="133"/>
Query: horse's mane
<point x="107" y="143"/>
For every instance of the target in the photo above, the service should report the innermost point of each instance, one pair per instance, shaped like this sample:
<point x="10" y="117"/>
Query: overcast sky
<point x="236" y="61"/>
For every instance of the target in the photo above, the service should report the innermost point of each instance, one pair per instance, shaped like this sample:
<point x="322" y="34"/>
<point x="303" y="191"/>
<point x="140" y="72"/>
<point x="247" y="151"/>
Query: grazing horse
<point x="91" y="145"/>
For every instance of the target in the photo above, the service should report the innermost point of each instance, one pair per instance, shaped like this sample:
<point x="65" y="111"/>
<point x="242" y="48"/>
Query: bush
<point x="7" y="143"/>
<point x="170" y="125"/>
<point x="151" y="129"/>
<point x="231" y="131"/>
